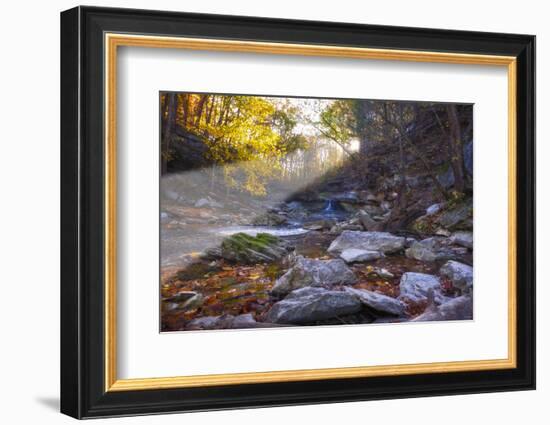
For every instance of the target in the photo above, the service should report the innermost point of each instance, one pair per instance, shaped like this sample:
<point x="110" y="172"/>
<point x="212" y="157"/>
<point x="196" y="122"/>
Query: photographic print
<point x="289" y="211"/>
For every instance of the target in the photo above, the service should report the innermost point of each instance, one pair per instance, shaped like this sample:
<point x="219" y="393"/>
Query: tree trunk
<point x="210" y="109"/>
<point x="361" y="112"/>
<point x="185" y="110"/>
<point x="168" y="129"/>
<point x="455" y="144"/>
<point x="200" y="108"/>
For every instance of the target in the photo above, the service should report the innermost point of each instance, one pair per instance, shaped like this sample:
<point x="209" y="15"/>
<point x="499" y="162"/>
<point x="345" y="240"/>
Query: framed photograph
<point x="261" y="212"/>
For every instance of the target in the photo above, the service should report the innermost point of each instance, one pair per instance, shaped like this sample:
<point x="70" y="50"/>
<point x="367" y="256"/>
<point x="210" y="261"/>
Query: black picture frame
<point x="83" y="392"/>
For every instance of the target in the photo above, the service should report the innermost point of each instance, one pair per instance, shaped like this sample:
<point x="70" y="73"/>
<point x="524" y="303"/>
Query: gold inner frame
<point x="113" y="41"/>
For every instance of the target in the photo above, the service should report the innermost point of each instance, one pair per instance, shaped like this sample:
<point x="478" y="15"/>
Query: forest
<point x="286" y="211"/>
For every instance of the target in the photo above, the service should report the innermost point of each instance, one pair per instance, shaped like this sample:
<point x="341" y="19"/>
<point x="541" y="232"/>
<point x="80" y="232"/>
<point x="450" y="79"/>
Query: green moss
<point x="240" y="242"/>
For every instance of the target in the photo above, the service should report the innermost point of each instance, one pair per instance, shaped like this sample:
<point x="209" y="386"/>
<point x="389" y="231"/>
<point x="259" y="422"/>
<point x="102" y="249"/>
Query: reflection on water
<point x="254" y="230"/>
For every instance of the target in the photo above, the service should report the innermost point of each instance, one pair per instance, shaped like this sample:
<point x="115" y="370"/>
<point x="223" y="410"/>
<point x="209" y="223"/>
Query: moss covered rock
<point x="246" y="249"/>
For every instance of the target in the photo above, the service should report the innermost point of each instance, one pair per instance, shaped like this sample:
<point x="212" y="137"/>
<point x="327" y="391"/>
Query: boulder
<point x="247" y="249"/>
<point x="310" y="272"/>
<point x="461" y="275"/>
<point x="269" y="219"/>
<point x="319" y="225"/>
<point x="416" y="286"/>
<point x="378" y="302"/>
<point x="308" y="305"/>
<point x="184" y="300"/>
<point x="460" y="308"/>
<point x="368" y="222"/>
<point x="465" y="239"/>
<point x="454" y="217"/>
<point x="435" y="248"/>
<point x="369" y="241"/>
<point x="353" y="255"/>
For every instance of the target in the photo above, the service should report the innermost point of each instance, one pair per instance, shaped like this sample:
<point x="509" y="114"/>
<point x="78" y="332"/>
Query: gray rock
<point x="435" y="248"/>
<point x="244" y="321"/>
<point x="227" y="321"/>
<point x="350" y="197"/>
<point x="383" y="273"/>
<point x="310" y="272"/>
<point x="269" y="219"/>
<point x="184" y="300"/>
<point x="209" y="322"/>
<point x="319" y="225"/>
<point x="367" y="221"/>
<point x="461" y="275"/>
<point x="465" y="239"/>
<point x="460" y="308"/>
<point x="409" y="242"/>
<point x="378" y="302"/>
<point x="207" y="202"/>
<point x="416" y="286"/>
<point x="442" y="232"/>
<point x="455" y="216"/>
<point x="372" y="210"/>
<point x="306" y="306"/>
<point x="353" y="255"/>
<point x="369" y="241"/>
<point x="447" y="178"/>
<point x="468" y="154"/>
<point x="433" y="209"/>
<point x="386" y="206"/>
<point x="338" y="228"/>
<point x="247" y="249"/>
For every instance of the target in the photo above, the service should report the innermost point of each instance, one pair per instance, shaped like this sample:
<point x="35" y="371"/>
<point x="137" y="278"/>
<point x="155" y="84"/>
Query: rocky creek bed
<point x="319" y="263"/>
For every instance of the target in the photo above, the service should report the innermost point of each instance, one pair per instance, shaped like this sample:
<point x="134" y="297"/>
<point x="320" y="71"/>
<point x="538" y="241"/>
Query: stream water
<point x="179" y="245"/>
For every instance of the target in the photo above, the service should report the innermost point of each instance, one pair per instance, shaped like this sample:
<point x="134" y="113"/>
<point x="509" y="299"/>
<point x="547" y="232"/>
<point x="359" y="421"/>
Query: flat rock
<point x="310" y="272"/>
<point x="307" y="305"/>
<point x="435" y="248"/>
<point x="319" y="225"/>
<point x="465" y="239"/>
<point x="416" y="286"/>
<point x="369" y="241"/>
<point x="461" y="275"/>
<point x="378" y="302"/>
<point x="460" y="308"/>
<point x="226" y="321"/>
<point x="210" y="322"/>
<point x="354" y="255"/>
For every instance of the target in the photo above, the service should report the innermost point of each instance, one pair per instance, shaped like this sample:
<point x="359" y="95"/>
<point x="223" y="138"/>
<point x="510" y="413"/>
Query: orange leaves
<point x="227" y="289"/>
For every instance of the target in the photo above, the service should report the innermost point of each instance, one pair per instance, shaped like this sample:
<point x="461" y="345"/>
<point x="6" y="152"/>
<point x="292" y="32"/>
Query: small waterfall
<point x="330" y="206"/>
